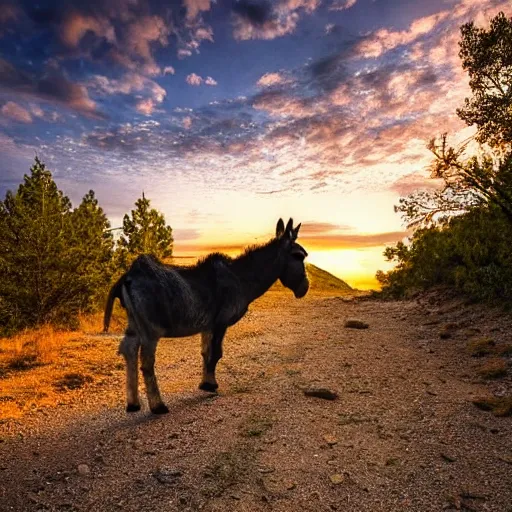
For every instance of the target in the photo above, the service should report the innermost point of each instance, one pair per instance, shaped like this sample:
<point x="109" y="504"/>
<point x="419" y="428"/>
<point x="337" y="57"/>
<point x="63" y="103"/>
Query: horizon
<point x="229" y="115"/>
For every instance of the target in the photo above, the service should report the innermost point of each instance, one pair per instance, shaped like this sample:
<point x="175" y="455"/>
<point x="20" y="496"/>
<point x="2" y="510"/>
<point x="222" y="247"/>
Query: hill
<point x="320" y="281"/>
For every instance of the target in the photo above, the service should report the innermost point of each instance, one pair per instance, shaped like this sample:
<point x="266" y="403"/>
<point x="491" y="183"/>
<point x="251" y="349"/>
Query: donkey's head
<point x="293" y="274"/>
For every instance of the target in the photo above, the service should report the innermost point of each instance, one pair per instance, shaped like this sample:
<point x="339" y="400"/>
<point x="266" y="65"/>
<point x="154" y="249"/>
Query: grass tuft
<point x="30" y="348"/>
<point x="481" y="347"/>
<point x="499" y="406"/>
<point x="72" y="380"/>
<point x="493" y="369"/>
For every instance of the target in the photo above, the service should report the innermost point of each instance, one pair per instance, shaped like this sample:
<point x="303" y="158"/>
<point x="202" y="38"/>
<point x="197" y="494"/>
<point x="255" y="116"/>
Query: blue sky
<point x="229" y="114"/>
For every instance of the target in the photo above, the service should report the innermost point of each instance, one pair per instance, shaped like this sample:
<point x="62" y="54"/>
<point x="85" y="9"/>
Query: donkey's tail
<point x="115" y="293"/>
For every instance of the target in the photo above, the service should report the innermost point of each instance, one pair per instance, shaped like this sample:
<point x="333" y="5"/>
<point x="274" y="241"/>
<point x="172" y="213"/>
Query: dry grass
<point x="504" y="350"/>
<point x="30" y="348"/>
<point x="93" y="323"/>
<point x="500" y="406"/>
<point x="493" y="369"/>
<point x="481" y="347"/>
<point x="37" y="366"/>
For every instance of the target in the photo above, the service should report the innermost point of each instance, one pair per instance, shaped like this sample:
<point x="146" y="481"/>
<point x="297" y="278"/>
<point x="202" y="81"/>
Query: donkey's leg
<point x="211" y="352"/>
<point x="129" y="348"/>
<point x="206" y="341"/>
<point x="147" y="356"/>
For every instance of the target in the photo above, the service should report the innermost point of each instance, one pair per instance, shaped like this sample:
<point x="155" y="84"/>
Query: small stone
<point x="352" y="323"/>
<point x="330" y="439"/>
<point x="167" y="475"/>
<point x="84" y="469"/>
<point x="448" y="457"/>
<point x="505" y="458"/>
<point x="324" y="393"/>
<point x="290" y="486"/>
<point x="266" y="470"/>
<point x="337" y="479"/>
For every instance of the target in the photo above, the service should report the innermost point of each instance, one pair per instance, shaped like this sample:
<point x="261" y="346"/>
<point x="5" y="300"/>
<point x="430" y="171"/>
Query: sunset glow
<point x="229" y="115"/>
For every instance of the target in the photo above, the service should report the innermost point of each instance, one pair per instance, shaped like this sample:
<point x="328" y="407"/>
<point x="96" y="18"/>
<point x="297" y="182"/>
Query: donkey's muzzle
<point x="302" y="289"/>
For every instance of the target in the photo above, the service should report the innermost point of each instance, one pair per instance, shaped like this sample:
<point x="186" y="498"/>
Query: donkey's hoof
<point x="160" y="409"/>
<point x="208" y="386"/>
<point x="132" y="408"/>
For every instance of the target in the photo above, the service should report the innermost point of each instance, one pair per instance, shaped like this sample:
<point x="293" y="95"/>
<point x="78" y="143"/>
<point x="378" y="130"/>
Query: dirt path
<point x="403" y="434"/>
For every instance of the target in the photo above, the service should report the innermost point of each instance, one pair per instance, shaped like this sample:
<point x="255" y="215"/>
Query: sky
<point x="229" y="114"/>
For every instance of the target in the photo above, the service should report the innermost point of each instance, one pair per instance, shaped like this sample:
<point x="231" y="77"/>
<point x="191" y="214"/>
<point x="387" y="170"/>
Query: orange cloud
<point x="269" y="79"/>
<point x="194" y="7"/>
<point x="139" y="36"/>
<point x="16" y="112"/>
<point x="76" y="25"/>
<point x="194" y="79"/>
<point x="146" y="106"/>
<point x="384" y="40"/>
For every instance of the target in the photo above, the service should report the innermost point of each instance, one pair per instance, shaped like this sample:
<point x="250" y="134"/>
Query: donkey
<point x="170" y="301"/>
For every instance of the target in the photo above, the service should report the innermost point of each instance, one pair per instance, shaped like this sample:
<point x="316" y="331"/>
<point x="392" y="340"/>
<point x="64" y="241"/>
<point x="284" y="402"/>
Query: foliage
<point x="52" y="258"/>
<point x="487" y="57"/>
<point x="479" y="180"/>
<point x="470" y="253"/>
<point x="463" y="231"/>
<point x="144" y="232"/>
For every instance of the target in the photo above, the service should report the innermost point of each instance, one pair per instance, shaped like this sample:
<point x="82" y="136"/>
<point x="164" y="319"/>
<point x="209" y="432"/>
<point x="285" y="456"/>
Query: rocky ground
<point x="403" y="433"/>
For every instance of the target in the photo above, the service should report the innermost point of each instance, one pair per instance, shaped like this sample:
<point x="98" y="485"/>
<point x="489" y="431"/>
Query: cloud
<point x="76" y="25"/>
<point x="194" y="7"/>
<point x="9" y="12"/>
<point x="128" y="84"/>
<point x="204" y="33"/>
<point x="415" y="181"/>
<point x="351" y="241"/>
<point x="341" y="5"/>
<point x="262" y="19"/>
<point x="169" y="70"/>
<point x="183" y="53"/>
<point x="51" y="87"/>
<point x="36" y="111"/>
<point x="15" y="112"/>
<point x="384" y="40"/>
<point x="310" y="228"/>
<point x="140" y="34"/>
<point x="146" y="106"/>
<point x="270" y="79"/>
<point x="333" y="241"/>
<point x="187" y="122"/>
<point x="194" y="79"/>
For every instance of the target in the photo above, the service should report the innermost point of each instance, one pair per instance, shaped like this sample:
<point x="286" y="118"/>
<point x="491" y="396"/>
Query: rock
<point x="167" y="475"/>
<point x="265" y="471"/>
<point x="352" y="323"/>
<point x="324" y="393"/>
<point x="448" y="457"/>
<point x="330" y="439"/>
<point x="337" y="479"/>
<point x="505" y="458"/>
<point x="84" y="470"/>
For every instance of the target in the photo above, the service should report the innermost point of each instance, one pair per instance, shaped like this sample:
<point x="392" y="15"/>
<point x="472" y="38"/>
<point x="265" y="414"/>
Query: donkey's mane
<point x="249" y="253"/>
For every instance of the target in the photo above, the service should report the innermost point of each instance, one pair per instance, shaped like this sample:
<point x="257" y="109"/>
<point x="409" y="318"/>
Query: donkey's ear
<point x="279" y="228"/>
<point x="295" y="231"/>
<point x="289" y="227"/>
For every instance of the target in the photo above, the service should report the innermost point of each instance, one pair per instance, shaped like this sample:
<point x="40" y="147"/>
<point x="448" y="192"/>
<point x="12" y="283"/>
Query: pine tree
<point x="52" y="258"/>
<point x="144" y="232"/>
<point x="92" y="244"/>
